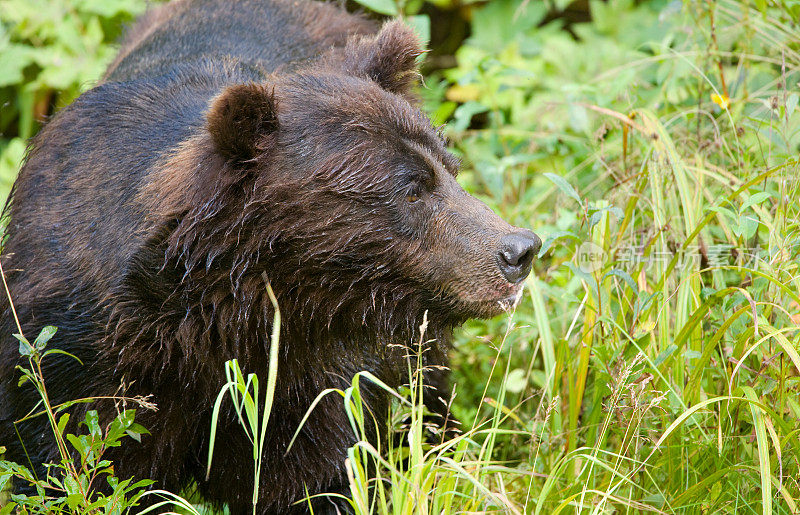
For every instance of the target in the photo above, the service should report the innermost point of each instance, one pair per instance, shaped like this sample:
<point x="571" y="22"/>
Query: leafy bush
<point x="656" y="148"/>
<point x="50" y="52"/>
<point x="75" y="483"/>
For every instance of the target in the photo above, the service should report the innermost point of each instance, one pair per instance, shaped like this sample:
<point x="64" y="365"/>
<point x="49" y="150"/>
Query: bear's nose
<point x="517" y="251"/>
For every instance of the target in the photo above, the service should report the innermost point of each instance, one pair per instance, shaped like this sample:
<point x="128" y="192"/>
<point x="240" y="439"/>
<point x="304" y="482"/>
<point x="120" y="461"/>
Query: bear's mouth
<point x="508" y="303"/>
<point x="505" y="301"/>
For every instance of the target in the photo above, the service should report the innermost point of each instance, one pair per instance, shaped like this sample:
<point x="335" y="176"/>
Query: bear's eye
<point x="415" y="192"/>
<point x="418" y="182"/>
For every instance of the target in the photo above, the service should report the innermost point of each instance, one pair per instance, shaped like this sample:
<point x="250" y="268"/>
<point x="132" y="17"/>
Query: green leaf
<point x="595" y="218"/>
<point x="25" y="347"/>
<point x="110" y="8"/>
<point x="564" y="186"/>
<point x="625" y="277"/>
<point x="748" y="226"/>
<point x="74" y="497"/>
<point x="387" y="7"/>
<point x="92" y="421"/>
<point x="464" y="113"/>
<point x="65" y="353"/>
<point x="666" y="353"/>
<point x="692" y="354"/>
<point x="755" y="199"/>
<point x="79" y="443"/>
<point x="13" y="60"/>
<point x="500" y="22"/>
<point x="443" y="112"/>
<point x="791" y="104"/>
<point x="44" y="336"/>
<point x="578" y="118"/>
<point x="138" y="429"/>
<point x="62" y="422"/>
<point x="4" y="476"/>
<point x="553" y="237"/>
<point x="421" y="24"/>
<point x="597" y="213"/>
<point x="763" y="453"/>
<point x="515" y="382"/>
<point x="590" y="280"/>
<point x="722" y="210"/>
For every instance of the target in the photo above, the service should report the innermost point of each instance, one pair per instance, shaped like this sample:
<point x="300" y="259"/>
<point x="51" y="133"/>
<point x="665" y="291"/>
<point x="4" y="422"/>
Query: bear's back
<point x="262" y="34"/>
<point x="76" y="215"/>
<point x="76" y="209"/>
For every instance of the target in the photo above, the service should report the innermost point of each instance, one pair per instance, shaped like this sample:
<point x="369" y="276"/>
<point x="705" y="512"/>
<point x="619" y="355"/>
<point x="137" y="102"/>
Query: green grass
<point x="665" y="375"/>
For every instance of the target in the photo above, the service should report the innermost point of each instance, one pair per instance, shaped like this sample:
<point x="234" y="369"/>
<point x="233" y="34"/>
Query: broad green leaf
<point x="79" y="443"/>
<point x="13" y="61"/>
<point x="564" y="186"/>
<point x="387" y="7"/>
<point x="62" y="422"/>
<point x="464" y="113"/>
<point x="791" y="103"/>
<point x="625" y="276"/>
<point x="421" y="24"/>
<point x="25" y="347"/>
<point x="755" y="199"/>
<point x="515" y="382"/>
<point x="92" y="421"/>
<point x="44" y="336"/>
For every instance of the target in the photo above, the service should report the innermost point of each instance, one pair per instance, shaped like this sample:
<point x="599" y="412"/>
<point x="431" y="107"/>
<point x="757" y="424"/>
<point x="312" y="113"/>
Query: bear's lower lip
<point x="511" y="301"/>
<point x="487" y="308"/>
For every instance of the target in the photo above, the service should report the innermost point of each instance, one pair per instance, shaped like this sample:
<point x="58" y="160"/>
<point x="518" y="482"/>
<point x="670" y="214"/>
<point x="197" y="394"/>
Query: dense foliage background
<point x="652" y="364"/>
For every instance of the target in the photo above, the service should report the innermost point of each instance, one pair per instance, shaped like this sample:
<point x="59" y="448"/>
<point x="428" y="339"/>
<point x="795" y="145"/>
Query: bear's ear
<point x="389" y="58"/>
<point x="241" y="120"/>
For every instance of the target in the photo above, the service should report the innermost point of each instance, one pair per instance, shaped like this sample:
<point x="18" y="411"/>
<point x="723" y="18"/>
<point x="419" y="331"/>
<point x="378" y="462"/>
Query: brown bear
<point x="231" y="143"/>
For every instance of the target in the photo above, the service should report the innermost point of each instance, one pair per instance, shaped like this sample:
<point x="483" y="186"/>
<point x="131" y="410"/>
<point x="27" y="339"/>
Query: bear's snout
<point x="515" y="257"/>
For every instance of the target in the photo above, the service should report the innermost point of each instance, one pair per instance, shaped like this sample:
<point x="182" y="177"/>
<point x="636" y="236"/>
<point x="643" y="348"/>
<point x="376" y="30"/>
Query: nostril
<point x="517" y="251"/>
<point x="510" y="257"/>
<point x="525" y="258"/>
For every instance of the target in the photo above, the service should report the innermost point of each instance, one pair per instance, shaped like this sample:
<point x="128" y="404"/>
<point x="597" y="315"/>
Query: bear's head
<point x="329" y="181"/>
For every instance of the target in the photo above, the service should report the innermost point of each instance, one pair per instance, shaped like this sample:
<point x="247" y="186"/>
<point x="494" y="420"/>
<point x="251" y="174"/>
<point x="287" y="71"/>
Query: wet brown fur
<point x="151" y="212"/>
